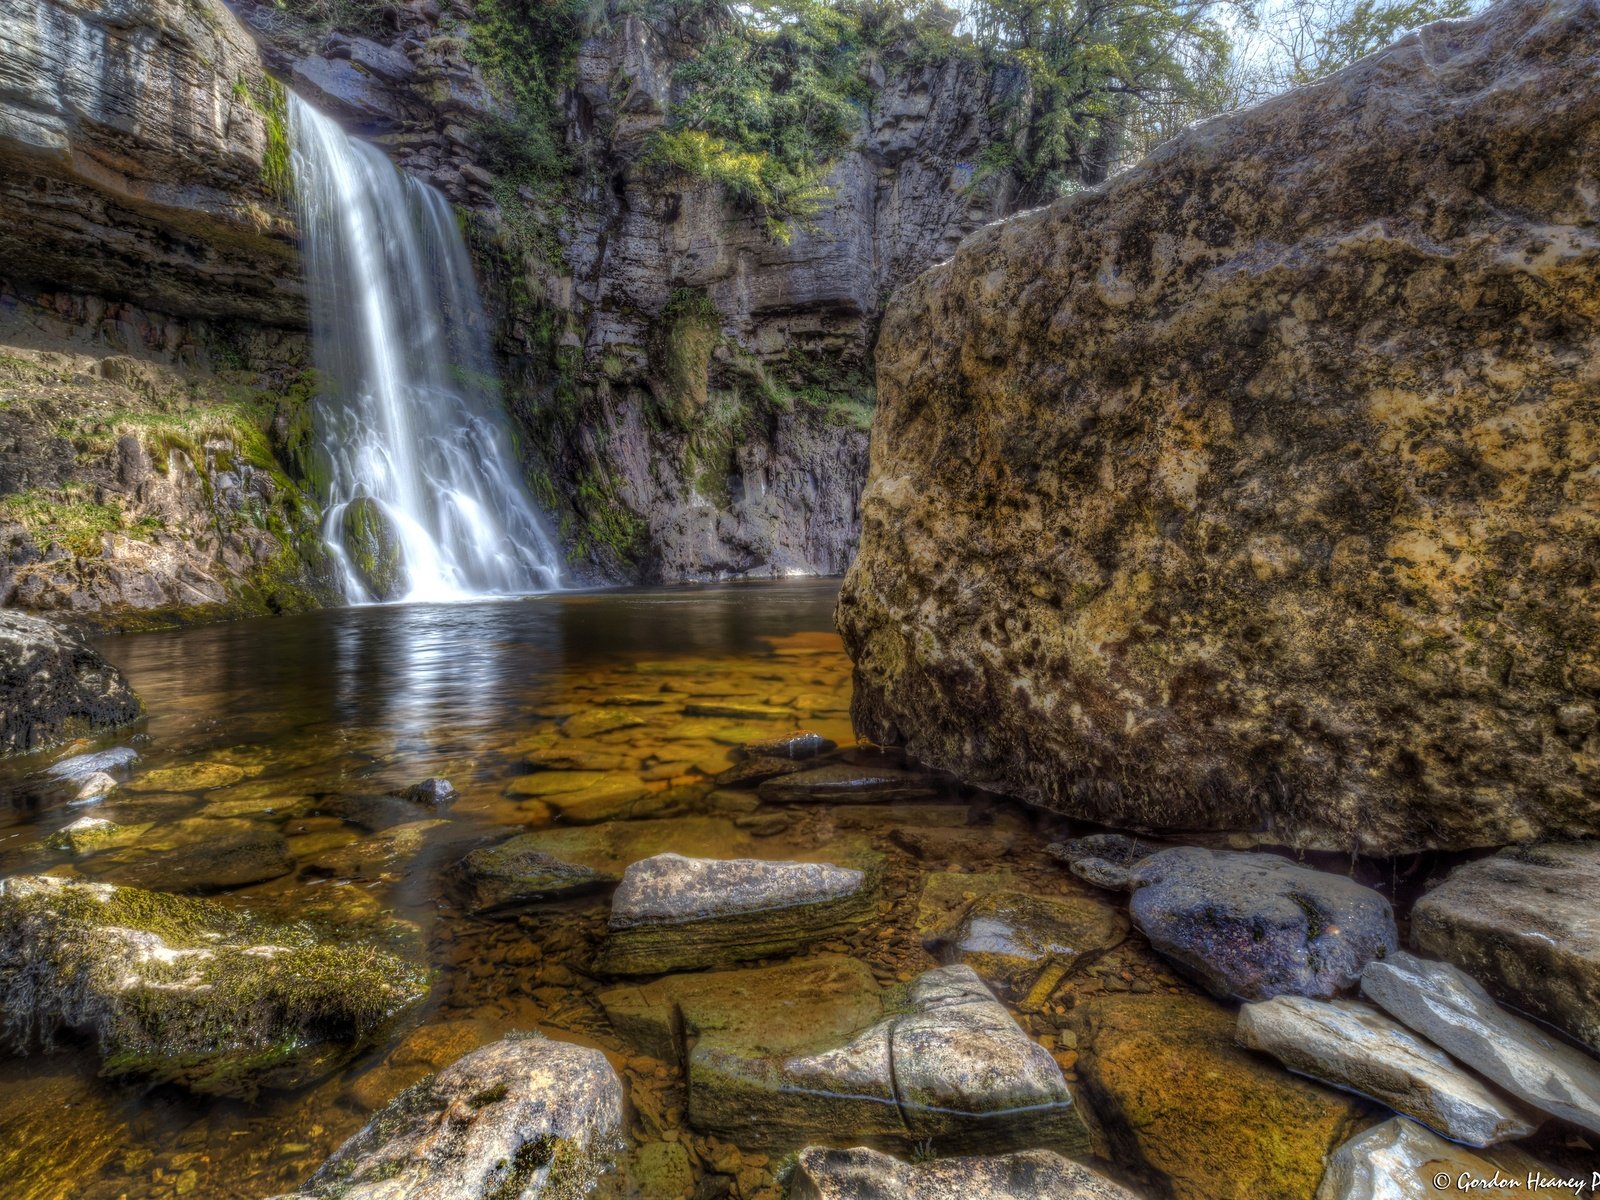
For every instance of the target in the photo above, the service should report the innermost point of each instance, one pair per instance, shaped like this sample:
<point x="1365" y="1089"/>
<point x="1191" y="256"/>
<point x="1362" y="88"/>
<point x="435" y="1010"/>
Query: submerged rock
<point x="1453" y="1011"/>
<point x="526" y="1118"/>
<point x="434" y="792"/>
<point x="1218" y="496"/>
<point x="843" y="783"/>
<point x="114" y="763"/>
<point x="1522" y="922"/>
<point x="1104" y="859"/>
<point x="751" y="771"/>
<point x="1354" y="1046"/>
<point x="1253" y="926"/>
<point x="797" y="746"/>
<point x="551" y="863"/>
<point x="372" y="548"/>
<point x="821" y="1173"/>
<point x="1011" y="938"/>
<point x="196" y="855"/>
<point x="1210" y="1121"/>
<point x="177" y="990"/>
<point x="88" y="834"/>
<point x="672" y="912"/>
<point x="1400" y="1160"/>
<point x="812" y="1050"/>
<point x="54" y="687"/>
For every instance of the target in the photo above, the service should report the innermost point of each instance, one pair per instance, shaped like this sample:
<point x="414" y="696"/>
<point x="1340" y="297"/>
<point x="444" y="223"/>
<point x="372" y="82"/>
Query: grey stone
<point x="1009" y="938"/>
<point x="55" y="687"/>
<point x="340" y="87"/>
<point x="116" y="762"/>
<point x="1104" y="859"/>
<point x="801" y="744"/>
<point x="841" y="782"/>
<point x="673" y="912"/>
<point x="1523" y="922"/>
<point x="1354" y="1046"/>
<point x="1400" y="1160"/>
<point x="522" y="1118"/>
<point x="1253" y="926"/>
<point x="434" y="793"/>
<point x="822" y="1173"/>
<point x="1450" y="1009"/>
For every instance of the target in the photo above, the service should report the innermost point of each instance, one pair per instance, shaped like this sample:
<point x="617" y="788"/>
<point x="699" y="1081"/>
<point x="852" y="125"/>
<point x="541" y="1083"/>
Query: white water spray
<point x="411" y="418"/>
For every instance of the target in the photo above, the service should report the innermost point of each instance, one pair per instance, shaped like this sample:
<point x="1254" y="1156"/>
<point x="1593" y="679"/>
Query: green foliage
<point x="1340" y="33"/>
<point x="268" y="98"/>
<point x="689" y="331"/>
<point x="68" y="518"/>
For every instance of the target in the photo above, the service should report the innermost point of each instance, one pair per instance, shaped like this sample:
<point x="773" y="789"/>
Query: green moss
<point x="268" y="98"/>
<point x="66" y="517"/>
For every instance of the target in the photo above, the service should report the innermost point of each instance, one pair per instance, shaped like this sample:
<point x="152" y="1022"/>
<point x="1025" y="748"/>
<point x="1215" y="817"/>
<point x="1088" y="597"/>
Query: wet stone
<point x="179" y="990"/>
<point x="116" y="762"/>
<point x="822" y="1173"/>
<point x="373" y="857"/>
<point x="372" y="813"/>
<point x="673" y="912"/>
<point x="432" y="793"/>
<point x="88" y="834"/>
<point x="1400" y="1160"/>
<point x="795" y="747"/>
<point x="193" y="777"/>
<point x="1354" y="1046"/>
<point x="599" y="720"/>
<point x="585" y="797"/>
<point x="1104" y="859"/>
<point x="1447" y="1007"/>
<point x="737" y="712"/>
<point x="1522" y="923"/>
<point x="1010" y="938"/>
<point x="523" y="1116"/>
<point x="196" y="856"/>
<point x="751" y="771"/>
<point x="843" y="783"/>
<point x="1253" y="926"/>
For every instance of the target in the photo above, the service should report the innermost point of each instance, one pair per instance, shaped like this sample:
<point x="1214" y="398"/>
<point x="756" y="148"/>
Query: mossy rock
<point x="178" y="990"/>
<point x="372" y="545"/>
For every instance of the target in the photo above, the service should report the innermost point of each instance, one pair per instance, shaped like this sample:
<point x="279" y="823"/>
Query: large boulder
<point x="1400" y="1160"/>
<point x="143" y="155"/>
<point x="521" y="1119"/>
<point x="1522" y="922"/>
<point x="177" y="990"/>
<point x="54" y="687"/>
<point x="1256" y="489"/>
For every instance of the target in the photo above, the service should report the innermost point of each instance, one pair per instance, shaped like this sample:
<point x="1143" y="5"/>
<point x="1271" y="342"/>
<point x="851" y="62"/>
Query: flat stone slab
<point x="749" y="772"/>
<point x="1449" y="1008"/>
<point x="1400" y="1160"/>
<point x="1525" y="924"/>
<point x="839" y="782"/>
<point x="822" y="1173"/>
<point x="523" y="1117"/>
<point x="799" y="745"/>
<point x="197" y="855"/>
<point x="1253" y="926"/>
<point x="781" y="1056"/>
<point x="1354" y="1046"/>
<point x="672" y="911"/>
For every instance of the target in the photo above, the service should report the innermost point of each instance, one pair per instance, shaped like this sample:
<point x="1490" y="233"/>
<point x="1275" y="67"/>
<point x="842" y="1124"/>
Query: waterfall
<point x="425" y="498"/>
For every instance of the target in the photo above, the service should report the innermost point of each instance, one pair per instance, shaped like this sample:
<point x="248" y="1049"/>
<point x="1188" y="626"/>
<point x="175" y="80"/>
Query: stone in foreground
<point x="54" y="687"/>
<point x="801" y="744"/>
<point x="526" y="1118"/>
<point x="812" y="1050"/>
<point x="821" y="1173"/>
<point x="1400" y="1160"/>
<point x="1181" y="1101"/>
<point x="1219" y="497"/>
<point x="178" y="990"/>
<point x="1353" y="1046"/>
<point x="1253" y="926"/>
<point x="672" y="912"/>
<point x="840" y="783"/>
<point x="1452" y="1010"/>
<point x="1524" y="923"/>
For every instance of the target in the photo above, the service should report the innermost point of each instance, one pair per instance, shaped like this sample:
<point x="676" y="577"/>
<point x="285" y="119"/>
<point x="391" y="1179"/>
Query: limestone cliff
<point x="1260" y="489"/>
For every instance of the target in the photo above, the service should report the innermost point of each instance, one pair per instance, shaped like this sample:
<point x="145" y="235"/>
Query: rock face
<point x="780" y="1056"/>
<point x="824" y="1174"/>
<point x="1522" y="922"/>
<point x="142" y="155"/>
<point x="54" y="687"/>
<point x="521" y="1119"/>
<point x="1353" y="1046"/>
<point x="1252" y="926"/>
<point x="1225" y="495"/>
<point x="186" y="991"/>
<point x="1451" y="1010"/>
<point x="672" y="912"/>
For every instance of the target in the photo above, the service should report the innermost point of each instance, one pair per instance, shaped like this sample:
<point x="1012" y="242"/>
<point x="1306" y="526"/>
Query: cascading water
<point x="425" y="499"/>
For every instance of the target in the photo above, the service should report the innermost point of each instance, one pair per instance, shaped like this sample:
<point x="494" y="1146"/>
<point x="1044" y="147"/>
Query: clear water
<point x="411" y="417"/>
